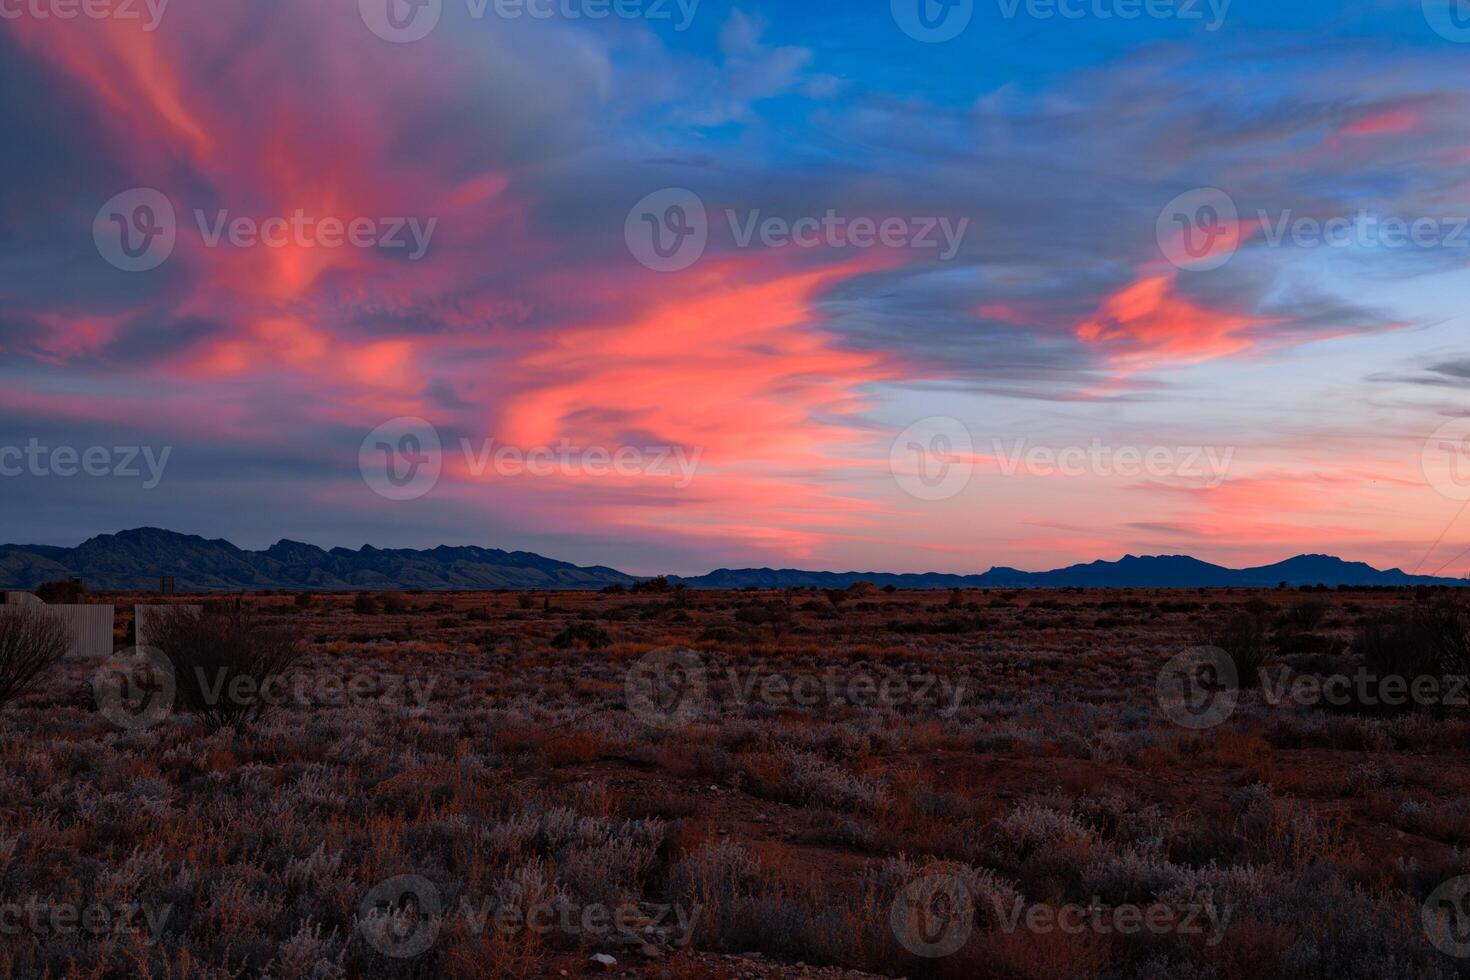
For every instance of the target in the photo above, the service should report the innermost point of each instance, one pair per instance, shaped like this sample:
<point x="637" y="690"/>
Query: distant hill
<point x="1130" y="572"/>
<point x="134" y="560"/>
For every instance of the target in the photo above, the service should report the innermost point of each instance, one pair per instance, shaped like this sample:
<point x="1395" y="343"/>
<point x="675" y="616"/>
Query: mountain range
<point x="135" y="560"/>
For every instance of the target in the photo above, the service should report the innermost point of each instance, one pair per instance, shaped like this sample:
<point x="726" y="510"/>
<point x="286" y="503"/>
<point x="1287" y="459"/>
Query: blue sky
<point x="840" y="402"/>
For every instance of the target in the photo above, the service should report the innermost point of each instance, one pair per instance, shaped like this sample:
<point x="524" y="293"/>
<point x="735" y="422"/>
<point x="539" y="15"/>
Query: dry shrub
<point x="686" y="966"/>
<point x="492" y="952"/>
<point x="31" y="640"/>
<point x="1423" y="641"/>
<point x="1253" y="949"/>
<point x="229" y="662"/>
<point x="570" y="748"/>
<point x="582" y="636"/>
<point x="1245" y="638"/>
<point x="1158" y="758"/>
<point x="1053" y="955"/>
<point x="1249" y="752"/>
<point x="1288" y="834"/>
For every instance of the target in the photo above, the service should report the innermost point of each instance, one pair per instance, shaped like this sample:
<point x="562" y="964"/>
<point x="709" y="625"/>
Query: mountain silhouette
<point x="134" y="560"/>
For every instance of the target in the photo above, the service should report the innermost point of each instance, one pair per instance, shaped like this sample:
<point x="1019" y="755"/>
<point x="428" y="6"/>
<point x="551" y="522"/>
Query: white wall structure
<point x="143" y="619"/>
<point x="90" y="626"/>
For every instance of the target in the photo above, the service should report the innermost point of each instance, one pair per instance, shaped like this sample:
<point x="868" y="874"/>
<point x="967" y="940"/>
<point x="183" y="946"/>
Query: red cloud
<point x="1147" y="324"/>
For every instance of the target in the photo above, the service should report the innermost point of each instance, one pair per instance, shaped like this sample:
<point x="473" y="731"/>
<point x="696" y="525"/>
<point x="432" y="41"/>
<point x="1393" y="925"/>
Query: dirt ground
<point x="783" y="769"/>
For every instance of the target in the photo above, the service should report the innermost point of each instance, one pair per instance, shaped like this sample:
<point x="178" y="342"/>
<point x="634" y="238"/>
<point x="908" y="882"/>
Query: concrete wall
<point x="143" y="617"/>
<point x="91" y="628"/>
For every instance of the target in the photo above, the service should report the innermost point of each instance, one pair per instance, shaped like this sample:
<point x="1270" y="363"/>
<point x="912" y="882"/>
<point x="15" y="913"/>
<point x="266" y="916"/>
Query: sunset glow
<point x="366" y="229"/>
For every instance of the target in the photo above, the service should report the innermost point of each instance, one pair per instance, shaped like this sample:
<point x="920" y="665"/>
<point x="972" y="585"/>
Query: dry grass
<point x="462" y="743"/>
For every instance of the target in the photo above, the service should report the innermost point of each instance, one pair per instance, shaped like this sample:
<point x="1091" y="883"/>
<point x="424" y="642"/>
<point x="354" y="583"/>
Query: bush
<point x="62" y="593"/>
<point x="365" y="605"/>
<point x="1422" y="641"/>
<point x="1244" y="637"/>
<point x="588" y="636"/>
<point x="1306" y="616"/>
<point x="227" y="661"/>
<point x="30" y="642"/>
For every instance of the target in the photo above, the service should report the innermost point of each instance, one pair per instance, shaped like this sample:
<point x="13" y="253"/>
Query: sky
<point x="666" y="285"/>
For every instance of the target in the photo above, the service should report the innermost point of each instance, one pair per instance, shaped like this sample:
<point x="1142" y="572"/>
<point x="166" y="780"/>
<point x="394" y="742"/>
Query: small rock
<point x="650" y="951"/>
<point x="604" y="962"/>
